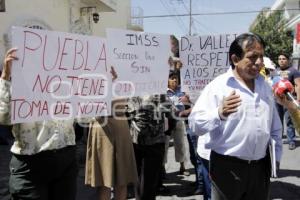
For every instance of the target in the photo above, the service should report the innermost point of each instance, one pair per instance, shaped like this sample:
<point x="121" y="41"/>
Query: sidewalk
<point x="286" y="187"/>
<point x="180" y="186"/>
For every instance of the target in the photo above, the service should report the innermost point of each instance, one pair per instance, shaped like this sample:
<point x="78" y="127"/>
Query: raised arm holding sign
<point x="55" y="77"/>
<point x="141" y="60"/>
<point x="59" y="75"/>
<point x="43" y="154"/>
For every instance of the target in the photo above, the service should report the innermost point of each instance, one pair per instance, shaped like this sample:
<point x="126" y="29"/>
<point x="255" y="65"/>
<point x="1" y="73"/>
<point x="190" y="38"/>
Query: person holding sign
<point x="183" y="104"/>
<point x="178" y="134"/>
<point x="110" y="161"/>
<point x="147" y="128"/>
<point x="237" y="110"/>
<point x="43" y="164"/>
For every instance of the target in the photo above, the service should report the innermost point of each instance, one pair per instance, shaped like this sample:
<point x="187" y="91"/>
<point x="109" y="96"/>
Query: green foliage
<point x="277" y="37"/>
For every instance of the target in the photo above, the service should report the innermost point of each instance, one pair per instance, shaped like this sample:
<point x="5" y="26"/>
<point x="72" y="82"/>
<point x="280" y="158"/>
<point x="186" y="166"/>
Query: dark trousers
<point x="290" y="130"/>
<point x="149" y="159"/>
<point x="6" y="137"/>
<point x="236" y="179"/>
<point x="49" y="175"/>
<point x="195" y="159"/>
<point x="206" y="179"/>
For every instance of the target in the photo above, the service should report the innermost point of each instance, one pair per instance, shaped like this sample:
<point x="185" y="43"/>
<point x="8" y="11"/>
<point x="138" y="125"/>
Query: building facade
<point x="291" y="9"/>
<point x="291" y="13"/>
<point x="89" y="17"/>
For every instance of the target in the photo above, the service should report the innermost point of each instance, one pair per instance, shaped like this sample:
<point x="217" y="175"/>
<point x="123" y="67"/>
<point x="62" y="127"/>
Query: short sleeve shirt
<point x="289" y="74"/>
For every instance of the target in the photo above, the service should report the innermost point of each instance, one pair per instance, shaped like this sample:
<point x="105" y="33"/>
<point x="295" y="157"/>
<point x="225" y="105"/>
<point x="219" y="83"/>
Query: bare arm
<point x="5" y="94"/>
<point x="294" y="112"/>
<point x="9" y="57"/>
<point x="297" y="88"/>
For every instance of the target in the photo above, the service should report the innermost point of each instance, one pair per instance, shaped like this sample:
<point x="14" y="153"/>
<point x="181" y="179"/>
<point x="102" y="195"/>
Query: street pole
<point x="190" y="27"/>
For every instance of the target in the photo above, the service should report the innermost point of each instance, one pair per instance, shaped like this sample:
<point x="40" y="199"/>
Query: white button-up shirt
<point x="246" y="133"/>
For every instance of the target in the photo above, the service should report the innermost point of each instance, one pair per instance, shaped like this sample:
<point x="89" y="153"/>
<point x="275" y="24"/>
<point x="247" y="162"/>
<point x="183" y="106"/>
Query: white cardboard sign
<point x="59" y="76"/>
<point x="141" y="61"/>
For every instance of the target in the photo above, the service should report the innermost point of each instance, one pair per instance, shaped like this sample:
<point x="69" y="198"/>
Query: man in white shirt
<point x="237" y="110"/>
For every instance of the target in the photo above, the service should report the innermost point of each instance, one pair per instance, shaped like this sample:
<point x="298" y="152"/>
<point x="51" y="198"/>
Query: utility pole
<point x="190" y="26"/>
<point x="2" y="5"/>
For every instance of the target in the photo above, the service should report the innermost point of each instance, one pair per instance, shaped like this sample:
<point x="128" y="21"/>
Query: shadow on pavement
<point x="284" y="191"/>
<point x="297" y="144"/>
<point x="287" y="172"/>
<point x="178" y="185"/>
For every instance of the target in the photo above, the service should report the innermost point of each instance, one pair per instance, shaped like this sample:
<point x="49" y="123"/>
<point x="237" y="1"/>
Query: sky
<point x="207" y="23"/>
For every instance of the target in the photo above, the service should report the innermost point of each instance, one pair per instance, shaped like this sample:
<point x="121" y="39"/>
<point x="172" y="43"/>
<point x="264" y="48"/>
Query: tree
<point x="277" y="37"/>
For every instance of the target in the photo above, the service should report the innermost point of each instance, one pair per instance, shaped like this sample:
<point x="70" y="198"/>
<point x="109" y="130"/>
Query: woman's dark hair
<point x="236" y="46"/>
<point x="174" y="45"/>
<point x="285" y="55"/>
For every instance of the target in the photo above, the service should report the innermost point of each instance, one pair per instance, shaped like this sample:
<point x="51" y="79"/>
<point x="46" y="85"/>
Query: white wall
<point x="52" y="13"/>
<point x="119" y="19"/>
<point x="55" y="15"/>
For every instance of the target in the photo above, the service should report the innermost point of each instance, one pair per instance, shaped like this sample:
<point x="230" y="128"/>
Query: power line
<point x="202" y="25"/>
<point x="189" y="10"/>
<point x="190" y="13"/>
<point x="212" y="13"/>
<point x="176" y="13"/>
<point x="177" y="19"/>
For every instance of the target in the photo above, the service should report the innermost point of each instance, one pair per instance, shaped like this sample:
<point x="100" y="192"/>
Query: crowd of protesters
<point x="229" y="152"/>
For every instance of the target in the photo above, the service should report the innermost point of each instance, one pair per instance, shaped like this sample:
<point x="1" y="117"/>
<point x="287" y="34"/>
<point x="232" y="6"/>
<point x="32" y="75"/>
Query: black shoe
<point x="292" y="146"/>
<point x="198" y="192"/>
<point x="285" y="142"/>
<point x="193" y="184"/>
<point x="163" y="190"/>
<point x="182" y="171"/>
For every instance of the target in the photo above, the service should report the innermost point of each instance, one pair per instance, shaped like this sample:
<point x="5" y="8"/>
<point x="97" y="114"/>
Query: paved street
<point x="286" y="187"/>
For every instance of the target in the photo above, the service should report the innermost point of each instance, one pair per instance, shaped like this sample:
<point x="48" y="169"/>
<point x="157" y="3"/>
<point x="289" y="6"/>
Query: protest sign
<point x="203" y="58"/>
<point x="58" y="76"/>
<point x="141" y="62"/>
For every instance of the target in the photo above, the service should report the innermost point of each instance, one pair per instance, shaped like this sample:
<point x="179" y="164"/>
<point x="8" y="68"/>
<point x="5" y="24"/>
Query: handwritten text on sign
<point x="58" y="76"/>
<point x="141" y="56"/>
<point x="204" y="58"/>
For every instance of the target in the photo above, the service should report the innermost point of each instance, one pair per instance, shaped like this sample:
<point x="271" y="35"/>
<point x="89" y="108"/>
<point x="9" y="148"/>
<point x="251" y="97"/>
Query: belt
<point x="235" y="159"/>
